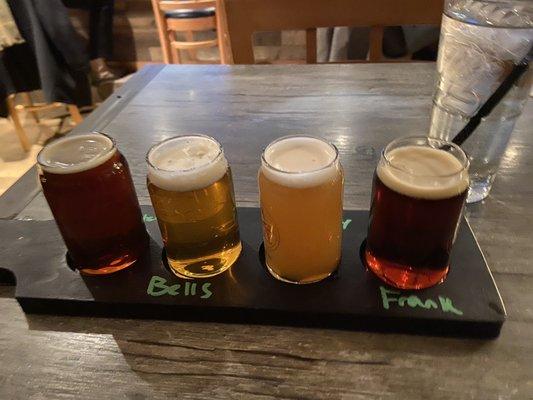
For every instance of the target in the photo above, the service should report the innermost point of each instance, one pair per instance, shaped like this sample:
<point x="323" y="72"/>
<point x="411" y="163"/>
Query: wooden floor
<point x="14" y="161"/>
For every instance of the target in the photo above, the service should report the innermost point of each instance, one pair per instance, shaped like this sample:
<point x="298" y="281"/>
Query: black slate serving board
<point x="466" y="304"/>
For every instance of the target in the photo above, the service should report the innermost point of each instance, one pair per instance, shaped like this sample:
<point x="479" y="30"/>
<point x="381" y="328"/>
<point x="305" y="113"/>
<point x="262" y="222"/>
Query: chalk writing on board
<point x="393" y="297"/>
<point x="148" y="218"/>
<point x="345" y="223"/>
<point x="158" y="287"/>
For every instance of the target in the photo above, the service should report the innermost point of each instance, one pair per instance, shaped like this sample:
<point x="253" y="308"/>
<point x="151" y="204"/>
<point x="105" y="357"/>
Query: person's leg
<point x="101" y="40"/>
<point x="101" y="29"/>
<point x="100" y="36"/>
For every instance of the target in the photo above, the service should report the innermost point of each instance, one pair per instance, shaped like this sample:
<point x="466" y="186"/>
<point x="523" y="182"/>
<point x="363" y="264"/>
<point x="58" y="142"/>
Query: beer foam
<point x="300" y="162"/>
<point x="186" y="163"/>
<point x="423" y="172"/>
<point x="76" y="153"/>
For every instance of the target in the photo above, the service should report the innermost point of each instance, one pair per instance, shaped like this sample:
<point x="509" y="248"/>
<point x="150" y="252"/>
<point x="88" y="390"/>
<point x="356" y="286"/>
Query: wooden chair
<point x="187" y="16"/>
<point x="239" y="19"/>
<point x="34" y="109"/>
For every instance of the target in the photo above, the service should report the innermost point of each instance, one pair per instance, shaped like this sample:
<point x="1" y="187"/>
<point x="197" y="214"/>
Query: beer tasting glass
<point x="301" y="188"/>
<point x="89" y="189"/>
<point x="191" y="188"/>
<point x="418" y="195"/>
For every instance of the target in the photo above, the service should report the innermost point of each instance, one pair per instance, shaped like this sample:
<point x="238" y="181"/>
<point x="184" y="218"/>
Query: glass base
<point x="205" y="267"/>
<point x="115" y="266"/>
<point x="404" y="277"/>
<point x="479" y="188"/>
<point x="314" y="279"/>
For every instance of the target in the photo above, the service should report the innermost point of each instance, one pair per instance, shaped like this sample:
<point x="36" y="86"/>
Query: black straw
<point x="517" y="71"/>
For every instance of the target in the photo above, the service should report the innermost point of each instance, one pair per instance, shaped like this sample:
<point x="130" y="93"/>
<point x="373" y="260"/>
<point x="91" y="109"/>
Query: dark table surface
<point x="359" y="108"/>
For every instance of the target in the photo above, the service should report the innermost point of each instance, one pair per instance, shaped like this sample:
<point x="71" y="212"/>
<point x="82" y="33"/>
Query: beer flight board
<point x="468" y="303"/>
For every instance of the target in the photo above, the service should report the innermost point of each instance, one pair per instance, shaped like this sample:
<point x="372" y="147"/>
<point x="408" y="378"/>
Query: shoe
<point x="100" y="72"/>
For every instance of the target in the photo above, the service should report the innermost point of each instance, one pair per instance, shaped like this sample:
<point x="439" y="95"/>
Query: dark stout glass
<point x="418" y="195"/>
<point x="89" y="189"/>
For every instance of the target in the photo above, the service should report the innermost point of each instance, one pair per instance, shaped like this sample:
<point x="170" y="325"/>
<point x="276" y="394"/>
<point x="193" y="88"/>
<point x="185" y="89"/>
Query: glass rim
<point x="442" y="143"/>
<point x="66" y="138"/>
<point x="270" y="166"/>
<point x="219" y="154"/>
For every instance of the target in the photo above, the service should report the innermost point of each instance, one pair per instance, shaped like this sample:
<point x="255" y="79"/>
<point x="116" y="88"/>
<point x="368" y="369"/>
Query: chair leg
<point x="28" y="100"/>
<point x="74" y="113"/>
<point x="189" y="35"/>
<point x="310" y="41"/>
<point x="13" y="113"/>
<point x="375" y="50"/>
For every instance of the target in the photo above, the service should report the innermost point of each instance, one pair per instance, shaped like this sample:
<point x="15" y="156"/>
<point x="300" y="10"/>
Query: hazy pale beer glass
<point x="418" y="196"/>
<point x="89" y="189"/>
<point x="301" y="188"/>
<point x="191" y="188"/>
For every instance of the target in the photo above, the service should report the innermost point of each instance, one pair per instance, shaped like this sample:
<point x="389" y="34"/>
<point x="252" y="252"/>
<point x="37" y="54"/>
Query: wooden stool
<point x="34" y="108"/>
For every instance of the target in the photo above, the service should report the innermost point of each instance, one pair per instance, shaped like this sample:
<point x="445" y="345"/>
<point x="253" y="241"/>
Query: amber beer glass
<point x="301" y="188"/>
<point x="191" y="188"/>
<point x="88" y="186"/>
<point x="419" y="191"/>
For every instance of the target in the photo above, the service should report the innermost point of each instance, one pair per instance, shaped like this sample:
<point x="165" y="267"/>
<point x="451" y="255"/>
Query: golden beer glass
<point x="301" y="189"/>
<point x="191" y="188"/>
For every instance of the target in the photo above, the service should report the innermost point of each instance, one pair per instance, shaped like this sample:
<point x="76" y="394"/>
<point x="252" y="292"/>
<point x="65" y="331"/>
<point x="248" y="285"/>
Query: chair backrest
<point x="166" y="26"/>
<point x="241" y="18"/>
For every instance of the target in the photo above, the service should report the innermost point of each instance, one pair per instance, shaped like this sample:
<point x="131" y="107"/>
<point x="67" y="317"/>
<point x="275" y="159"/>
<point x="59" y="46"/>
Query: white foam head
<point x="185" y="163"/>
<point x="423" y="172"/>
<point x="76" y="153"/>
<point x="300" y="161"/>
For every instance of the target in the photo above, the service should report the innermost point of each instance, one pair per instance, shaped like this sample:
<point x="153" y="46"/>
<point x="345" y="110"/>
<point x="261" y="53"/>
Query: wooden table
<point x="358" y="107"/>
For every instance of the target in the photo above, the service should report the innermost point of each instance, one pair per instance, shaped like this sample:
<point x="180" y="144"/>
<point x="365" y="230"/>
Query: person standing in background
<point x="338" y="44"/>
<point x="100" y="36"/>
<point x="51" y="57"/>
